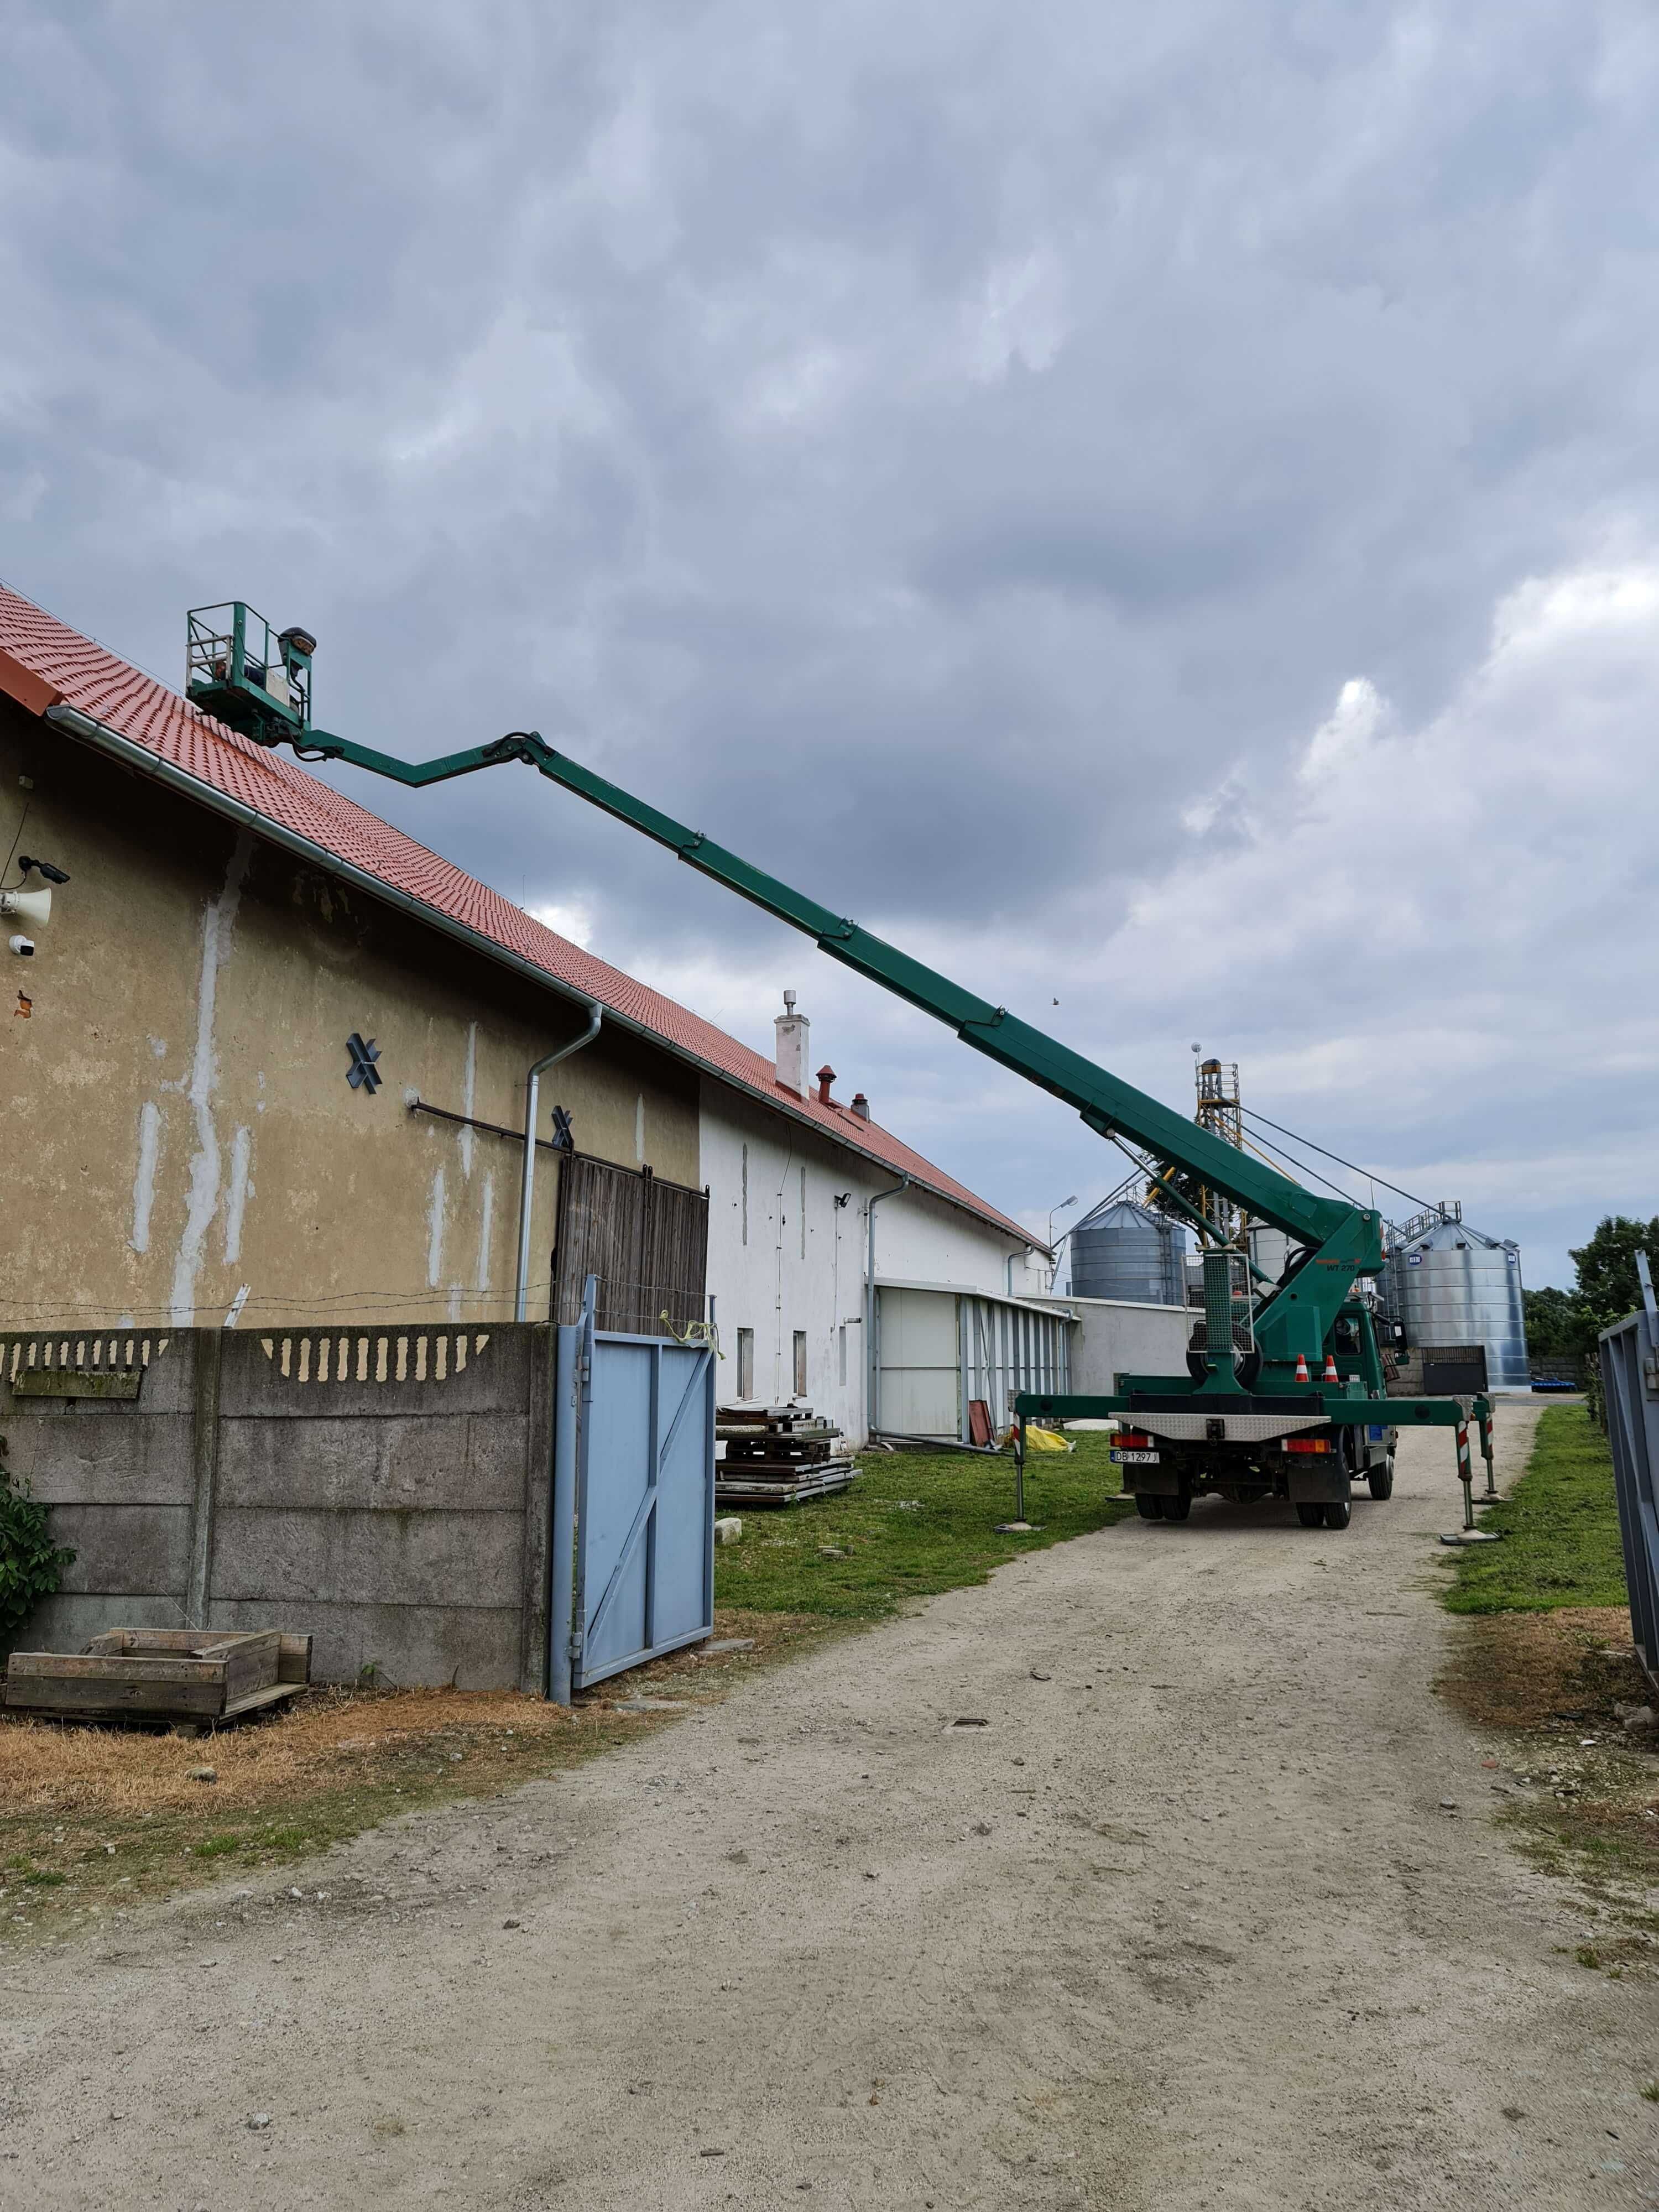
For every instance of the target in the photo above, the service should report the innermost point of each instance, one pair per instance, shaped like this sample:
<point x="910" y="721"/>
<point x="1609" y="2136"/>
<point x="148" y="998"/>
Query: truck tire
<point x="1382" y="1480"/>
<point x="1177" y="1509"/>
<point x="1311" y="1516"/>
<point x="1339" y="1512"/>
<point x="1149" y="1507"/>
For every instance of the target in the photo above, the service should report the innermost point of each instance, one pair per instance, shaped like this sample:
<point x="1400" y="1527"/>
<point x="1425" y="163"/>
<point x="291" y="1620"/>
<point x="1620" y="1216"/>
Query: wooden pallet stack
<point x="777" y="1455"/>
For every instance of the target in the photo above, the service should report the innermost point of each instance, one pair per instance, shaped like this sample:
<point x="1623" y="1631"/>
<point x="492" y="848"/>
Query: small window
<point x="800" y="1363"/>
<point x="745" y="1363"/>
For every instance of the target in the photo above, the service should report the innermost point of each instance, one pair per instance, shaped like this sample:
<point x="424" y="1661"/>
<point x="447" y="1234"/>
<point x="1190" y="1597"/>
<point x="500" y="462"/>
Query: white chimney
<point x="792" y="1056"/>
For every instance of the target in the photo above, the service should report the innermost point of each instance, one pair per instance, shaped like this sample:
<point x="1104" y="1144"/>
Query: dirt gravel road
<point x="1183" y="1925"/>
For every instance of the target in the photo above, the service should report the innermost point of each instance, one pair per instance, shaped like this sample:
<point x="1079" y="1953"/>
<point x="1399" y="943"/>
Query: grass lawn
<point x="913" y="1524"/>
<point x="1546" y="1665"/>
<point x="1560" y="1530"/>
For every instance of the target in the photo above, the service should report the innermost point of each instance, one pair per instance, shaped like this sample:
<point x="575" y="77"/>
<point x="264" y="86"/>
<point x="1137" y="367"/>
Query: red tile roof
<point x="44" y="662"/>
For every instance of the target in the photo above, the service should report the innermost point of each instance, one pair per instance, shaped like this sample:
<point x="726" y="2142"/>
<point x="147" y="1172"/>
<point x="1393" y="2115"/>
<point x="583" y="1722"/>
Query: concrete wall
<point x="1115" y="1337"/>
<point x="180" y="1133"/>
<point x="784" y="1256"/>
<point x="387" y="1490"/>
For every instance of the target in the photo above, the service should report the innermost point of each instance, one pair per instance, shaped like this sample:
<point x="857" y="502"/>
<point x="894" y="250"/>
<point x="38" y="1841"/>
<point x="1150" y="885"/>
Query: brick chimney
<point x="861" y="1106"/>
<point x="792" y="1029"/>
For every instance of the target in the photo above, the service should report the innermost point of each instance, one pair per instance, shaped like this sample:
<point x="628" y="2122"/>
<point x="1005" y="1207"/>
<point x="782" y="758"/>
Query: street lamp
<point x="1054" y="1277"/>
<point x="1053" y="1210"/>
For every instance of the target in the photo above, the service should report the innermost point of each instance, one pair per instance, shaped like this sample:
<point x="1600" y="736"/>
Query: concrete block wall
<point x="1117" y="1336"/>
<point x="387" y="1489"/>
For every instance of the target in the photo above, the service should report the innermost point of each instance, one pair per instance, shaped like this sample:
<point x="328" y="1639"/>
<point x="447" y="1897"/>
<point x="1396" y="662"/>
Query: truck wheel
<point x="1382" y="1480"/>
<point x="1311" y="1516"/>
<point x="1338" y="1513"/>
<point x="1177" y="1509"/>
<point x="1149" y="1507"/>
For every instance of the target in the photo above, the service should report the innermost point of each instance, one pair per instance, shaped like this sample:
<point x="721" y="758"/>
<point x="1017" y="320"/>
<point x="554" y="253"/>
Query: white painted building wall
<point x="785" y="1256"/>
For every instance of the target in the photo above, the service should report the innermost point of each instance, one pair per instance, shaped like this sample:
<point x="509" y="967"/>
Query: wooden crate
<point x="158" y="1673"/>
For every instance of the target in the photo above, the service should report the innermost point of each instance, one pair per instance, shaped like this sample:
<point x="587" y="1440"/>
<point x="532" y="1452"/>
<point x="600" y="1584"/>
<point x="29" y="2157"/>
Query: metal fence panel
<point x="1629" y="1374"/>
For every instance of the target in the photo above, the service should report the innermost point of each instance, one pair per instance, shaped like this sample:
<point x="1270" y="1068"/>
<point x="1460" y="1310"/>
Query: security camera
<point x="23" y="947"/>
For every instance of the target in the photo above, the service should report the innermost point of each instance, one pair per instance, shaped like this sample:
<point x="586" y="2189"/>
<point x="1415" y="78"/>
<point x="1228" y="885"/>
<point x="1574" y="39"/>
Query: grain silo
<point x="1123" y="1250"/>
<point x="1452" y="1286"/>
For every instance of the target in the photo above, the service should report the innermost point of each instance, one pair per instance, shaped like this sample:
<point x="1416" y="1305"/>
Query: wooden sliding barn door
<point x="646" y="1241"/>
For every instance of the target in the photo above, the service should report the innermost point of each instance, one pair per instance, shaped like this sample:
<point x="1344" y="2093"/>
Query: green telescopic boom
<point x="259" y="681"/>
<point x="1344" y="1240"/>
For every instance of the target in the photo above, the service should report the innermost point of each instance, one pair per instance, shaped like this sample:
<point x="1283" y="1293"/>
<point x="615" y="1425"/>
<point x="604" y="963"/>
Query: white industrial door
<point x="920" y="1354"/>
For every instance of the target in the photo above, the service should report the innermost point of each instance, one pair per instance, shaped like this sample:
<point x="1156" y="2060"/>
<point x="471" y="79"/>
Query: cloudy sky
<point x="1152" y="508"/>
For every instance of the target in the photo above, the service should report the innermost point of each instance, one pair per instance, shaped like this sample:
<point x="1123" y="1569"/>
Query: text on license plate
<point x="1136" y="1458"/>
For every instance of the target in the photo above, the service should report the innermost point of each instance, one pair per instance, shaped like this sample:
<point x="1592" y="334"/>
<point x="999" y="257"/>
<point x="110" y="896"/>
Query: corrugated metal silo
<point x="1270" y="1250"/>
<point x="1127" y="1251"/>
<point x="1450" y="1284"/>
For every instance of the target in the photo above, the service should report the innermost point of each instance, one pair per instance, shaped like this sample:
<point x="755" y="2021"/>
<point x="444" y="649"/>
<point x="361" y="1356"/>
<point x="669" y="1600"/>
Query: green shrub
<point x="31" y="1564"/>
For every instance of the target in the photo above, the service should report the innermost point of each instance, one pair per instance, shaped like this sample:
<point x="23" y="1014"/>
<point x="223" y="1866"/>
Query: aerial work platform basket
<point x="254" y="678"/>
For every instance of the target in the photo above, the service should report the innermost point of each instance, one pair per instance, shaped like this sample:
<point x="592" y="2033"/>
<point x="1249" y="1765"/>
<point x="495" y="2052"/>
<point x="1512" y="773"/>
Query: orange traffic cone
<point x="1301" y="1367"/>
<point x="1330" y="1374"/>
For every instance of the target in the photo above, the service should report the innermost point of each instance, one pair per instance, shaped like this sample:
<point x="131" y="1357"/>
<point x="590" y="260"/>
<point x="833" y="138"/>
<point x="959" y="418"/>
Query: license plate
<point x="1135" y="1458"/>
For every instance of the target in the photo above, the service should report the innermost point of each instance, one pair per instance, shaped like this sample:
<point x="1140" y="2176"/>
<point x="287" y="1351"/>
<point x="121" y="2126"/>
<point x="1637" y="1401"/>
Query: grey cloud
<point x="926" y="449"/>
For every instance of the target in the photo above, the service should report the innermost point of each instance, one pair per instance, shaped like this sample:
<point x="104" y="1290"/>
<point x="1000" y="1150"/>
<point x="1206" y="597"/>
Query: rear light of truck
<point x="1308" y="1443"/>
<point x="1131" y="1440"/>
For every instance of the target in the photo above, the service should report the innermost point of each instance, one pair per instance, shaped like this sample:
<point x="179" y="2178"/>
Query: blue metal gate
<point x="1630" y="1386"/>
<point x="633" y="1501"/>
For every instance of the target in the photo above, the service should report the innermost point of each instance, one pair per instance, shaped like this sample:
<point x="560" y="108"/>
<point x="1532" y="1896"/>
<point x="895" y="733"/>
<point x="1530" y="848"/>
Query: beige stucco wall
<point x="176" y="1120"/>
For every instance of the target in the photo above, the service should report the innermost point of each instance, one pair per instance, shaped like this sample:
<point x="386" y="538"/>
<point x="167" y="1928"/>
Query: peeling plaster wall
<point x="181" y="1140"/>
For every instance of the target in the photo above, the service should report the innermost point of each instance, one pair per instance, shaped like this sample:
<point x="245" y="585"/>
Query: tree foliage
<point x="1557" y="1326"/>
<point x="1607" y="1283"/>
<point x="1184" y="1183"/>
<point x="1565" y="1324"/>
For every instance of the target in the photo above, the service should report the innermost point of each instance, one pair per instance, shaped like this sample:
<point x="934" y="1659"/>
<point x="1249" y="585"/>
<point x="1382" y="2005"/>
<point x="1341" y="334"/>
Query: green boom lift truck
<point x="1284" y="1394"/>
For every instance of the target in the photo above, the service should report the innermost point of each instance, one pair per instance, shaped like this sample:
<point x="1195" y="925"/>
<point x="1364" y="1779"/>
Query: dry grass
<point x="1565" y="1669"/>
<point x="1587" y="1801"/>
<point x="94" y="1818"/>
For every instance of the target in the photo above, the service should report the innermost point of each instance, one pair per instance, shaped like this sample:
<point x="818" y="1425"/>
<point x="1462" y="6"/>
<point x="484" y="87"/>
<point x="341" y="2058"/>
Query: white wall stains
<point x="217" y="924"/>
<point x="435" y="1231"/>
<point x="241" y="1152"/>
<point x="143" y="1181"/>
<point x="469" y="1078"/>
<point x="234" y="1311"/>
<point x="486" y="1223"/>
<point x="638" y="1130"/>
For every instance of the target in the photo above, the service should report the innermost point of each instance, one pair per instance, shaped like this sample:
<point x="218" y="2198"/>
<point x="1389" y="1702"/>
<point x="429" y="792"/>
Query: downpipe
<point x="871" y="1352"/>
<point x="527" y="1190"/>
